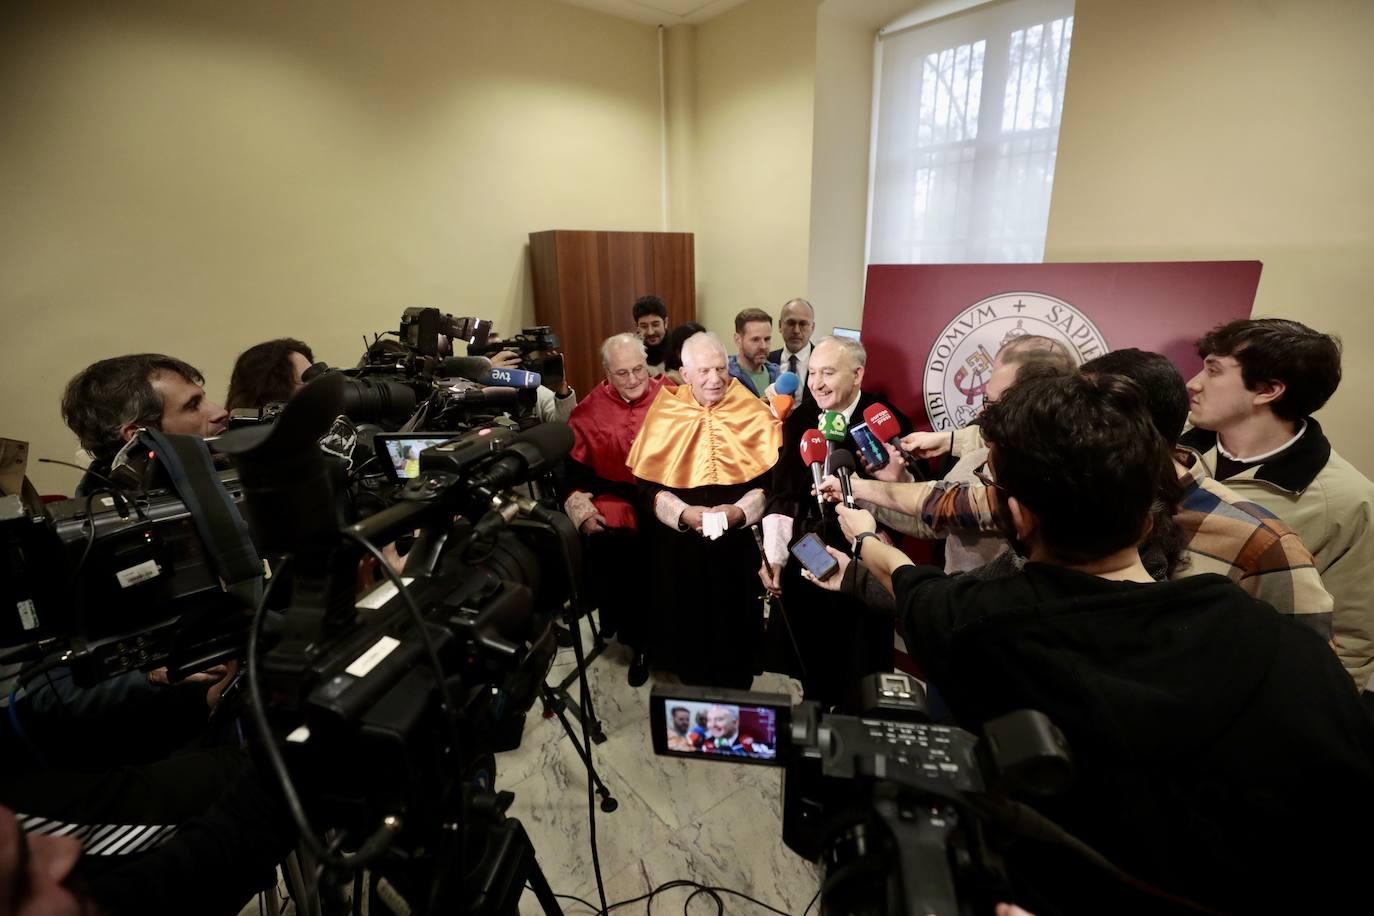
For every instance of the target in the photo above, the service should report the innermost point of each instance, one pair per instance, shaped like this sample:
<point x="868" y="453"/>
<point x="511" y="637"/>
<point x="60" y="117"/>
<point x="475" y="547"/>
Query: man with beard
<point x="753" y="334"/>
<point x="703" y="457"/>
<point x="651" y="323"/>
<point x="602" y="494"/>
<point x="826" y="640"/>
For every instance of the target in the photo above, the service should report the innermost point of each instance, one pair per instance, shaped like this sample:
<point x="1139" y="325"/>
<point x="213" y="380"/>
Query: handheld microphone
<point x="510" y="378"/>
<point x="782" y="400"/>
<point x="472" y="368"/>
<point x="884" y="425"/>
<point x="814" y="450"/>
<point x="834" y="427"/>
<point x="842" y="466"/>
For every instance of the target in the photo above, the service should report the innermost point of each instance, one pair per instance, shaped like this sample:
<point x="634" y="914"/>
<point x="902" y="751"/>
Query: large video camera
<point x="900" y="811"/>
<point x="539" y="348"/>
<point x="390" y="706"/>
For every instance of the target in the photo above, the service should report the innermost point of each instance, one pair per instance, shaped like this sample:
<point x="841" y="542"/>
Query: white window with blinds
<point x="966" y="130"/>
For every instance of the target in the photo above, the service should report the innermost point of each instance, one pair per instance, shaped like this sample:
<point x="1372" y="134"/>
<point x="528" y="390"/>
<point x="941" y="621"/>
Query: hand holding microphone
<point x="885" y="428"/>
<point x="842" y="466"/>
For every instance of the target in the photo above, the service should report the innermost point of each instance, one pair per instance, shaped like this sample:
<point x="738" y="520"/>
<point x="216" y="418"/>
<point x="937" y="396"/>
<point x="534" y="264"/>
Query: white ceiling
<point x="660" y="12"/>
<point x="873" y="14"/>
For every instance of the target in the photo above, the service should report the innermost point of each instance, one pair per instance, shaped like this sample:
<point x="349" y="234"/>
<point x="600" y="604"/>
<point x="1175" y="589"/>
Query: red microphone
<point x="814" y="452"/>
<point x="884" y="426"/>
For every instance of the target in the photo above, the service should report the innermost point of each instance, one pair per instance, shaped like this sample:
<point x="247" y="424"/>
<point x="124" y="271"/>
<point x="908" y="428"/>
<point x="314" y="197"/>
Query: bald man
<point x="797" y="323"/>
<point x="702" y="458"/>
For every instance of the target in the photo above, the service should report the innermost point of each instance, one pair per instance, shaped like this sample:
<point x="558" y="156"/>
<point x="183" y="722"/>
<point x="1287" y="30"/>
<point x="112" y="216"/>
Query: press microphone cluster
<point x="784" y="391"/>
<point x="479" y="369"/>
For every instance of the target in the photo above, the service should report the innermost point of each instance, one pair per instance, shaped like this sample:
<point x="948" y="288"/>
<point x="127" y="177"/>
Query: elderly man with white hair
<point x="703" y="457"/>
<point x="603" y="494"/>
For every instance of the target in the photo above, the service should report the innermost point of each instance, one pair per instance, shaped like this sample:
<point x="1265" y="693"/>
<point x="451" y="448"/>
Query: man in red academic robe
<point x="602" y="500"/>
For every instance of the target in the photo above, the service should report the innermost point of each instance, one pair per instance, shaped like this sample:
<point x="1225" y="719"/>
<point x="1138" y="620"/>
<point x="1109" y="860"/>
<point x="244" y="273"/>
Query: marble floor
<point x="705" y="821"/>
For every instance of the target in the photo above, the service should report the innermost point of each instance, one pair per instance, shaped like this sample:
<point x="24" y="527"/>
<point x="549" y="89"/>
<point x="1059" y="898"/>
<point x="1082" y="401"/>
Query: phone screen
<point x="811" y="551"/>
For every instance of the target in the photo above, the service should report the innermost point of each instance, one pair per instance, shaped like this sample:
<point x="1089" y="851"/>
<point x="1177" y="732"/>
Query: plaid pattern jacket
<point x="1224" y="534"/>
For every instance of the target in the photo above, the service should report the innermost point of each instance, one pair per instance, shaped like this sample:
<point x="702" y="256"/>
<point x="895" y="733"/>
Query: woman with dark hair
<point x="268" y="372"/>
<point x="672" y="350"/>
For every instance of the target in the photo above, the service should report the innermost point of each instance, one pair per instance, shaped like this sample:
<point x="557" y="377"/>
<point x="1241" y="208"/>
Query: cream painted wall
<point x="839" y="167"/>
<point x="1231" y="130"/>
<point x="195" y="178"/>
<point x="750" y="197"/>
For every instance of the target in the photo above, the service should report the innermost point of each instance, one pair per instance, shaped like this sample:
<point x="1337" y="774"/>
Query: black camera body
<point x="887" y="800"/>
<point x="539" y="348"/>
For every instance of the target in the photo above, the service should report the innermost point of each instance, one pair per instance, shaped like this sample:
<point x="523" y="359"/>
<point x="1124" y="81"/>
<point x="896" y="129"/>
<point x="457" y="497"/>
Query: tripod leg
<point x="608" y="804"/>
<point x="594" y="730"/>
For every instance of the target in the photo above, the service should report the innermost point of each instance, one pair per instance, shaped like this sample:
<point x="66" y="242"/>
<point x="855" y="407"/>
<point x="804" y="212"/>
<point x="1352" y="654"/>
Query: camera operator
<point x="550" y="406"/>
<point x="268" y="372"/>
<point x="93" y="761"/>
<point x="1204" y="724"/>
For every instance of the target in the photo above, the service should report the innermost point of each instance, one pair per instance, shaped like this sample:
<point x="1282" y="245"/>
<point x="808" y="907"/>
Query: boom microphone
<point x="533" y="450"/>
<point x="814" y="450"/>
<point x="472" y="368"/>
<point x="842" y="465"/>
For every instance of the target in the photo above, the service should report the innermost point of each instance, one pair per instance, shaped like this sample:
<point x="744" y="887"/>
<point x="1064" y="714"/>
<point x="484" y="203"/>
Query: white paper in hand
<point x="713" y="524"/>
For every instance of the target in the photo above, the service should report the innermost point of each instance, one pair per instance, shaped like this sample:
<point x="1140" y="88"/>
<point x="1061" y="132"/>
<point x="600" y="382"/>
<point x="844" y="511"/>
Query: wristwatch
<point x="858" y="548"/>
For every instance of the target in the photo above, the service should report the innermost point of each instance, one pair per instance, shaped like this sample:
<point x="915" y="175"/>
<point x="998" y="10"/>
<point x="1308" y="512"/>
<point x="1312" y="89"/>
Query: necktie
<point x="792" y="364"/>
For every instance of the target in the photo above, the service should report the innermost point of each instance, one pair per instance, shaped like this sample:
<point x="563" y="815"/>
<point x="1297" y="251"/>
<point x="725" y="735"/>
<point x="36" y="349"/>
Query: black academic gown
<point x="708" y="619"/>
<point x="833" y="639"/>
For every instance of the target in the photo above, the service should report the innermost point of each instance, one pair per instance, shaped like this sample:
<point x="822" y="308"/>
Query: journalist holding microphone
<point x="1198" y="759"/>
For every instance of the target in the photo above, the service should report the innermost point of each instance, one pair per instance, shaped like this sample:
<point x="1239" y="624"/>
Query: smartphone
<point x="810" y="552"/>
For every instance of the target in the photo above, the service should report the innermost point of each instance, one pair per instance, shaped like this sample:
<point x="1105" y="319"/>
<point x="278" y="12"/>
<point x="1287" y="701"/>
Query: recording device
<point x="399" y="453"/>
<point x="814" y="451"/>
<point x="539" y="349"/>
<point x="870" y="448"/>
<point x="426" y="331"/>
<point x="120" y="581"/>
<point x="386" y="709"/>
<point x="811" y="553"/>
<point x="903" y="813"/>
<point x="784" y="389"/>
<point x="842" y="466"/>
<point x="885" y="428"/>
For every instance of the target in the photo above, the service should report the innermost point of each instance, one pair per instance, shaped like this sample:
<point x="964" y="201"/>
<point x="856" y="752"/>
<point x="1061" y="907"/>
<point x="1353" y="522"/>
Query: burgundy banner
<point x="931" y="330"/>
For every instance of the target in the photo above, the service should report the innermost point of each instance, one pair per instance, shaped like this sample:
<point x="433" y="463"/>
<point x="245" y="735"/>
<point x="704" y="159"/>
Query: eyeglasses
<point x="637" y="371"/>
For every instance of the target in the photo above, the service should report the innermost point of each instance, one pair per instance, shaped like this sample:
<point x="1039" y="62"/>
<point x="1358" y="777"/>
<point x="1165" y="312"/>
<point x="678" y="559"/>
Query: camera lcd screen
<point x="706" y="729"/>
<point x="401" y="454"/>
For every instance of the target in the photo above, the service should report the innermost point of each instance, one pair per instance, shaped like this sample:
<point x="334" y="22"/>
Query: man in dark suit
<point x="827" y="640"/>
<point x="797" y="322"/>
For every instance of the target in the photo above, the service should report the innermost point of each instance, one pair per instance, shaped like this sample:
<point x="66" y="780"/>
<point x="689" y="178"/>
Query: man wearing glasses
<point x="601" y="499"/>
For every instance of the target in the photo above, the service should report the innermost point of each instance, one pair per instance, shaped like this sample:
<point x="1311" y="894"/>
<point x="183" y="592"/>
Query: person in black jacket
<point x="1222" y="754"/>
<point x="826" y="640"/>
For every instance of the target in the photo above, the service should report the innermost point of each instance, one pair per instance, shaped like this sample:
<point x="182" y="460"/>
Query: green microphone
<point x="834" y="427"/>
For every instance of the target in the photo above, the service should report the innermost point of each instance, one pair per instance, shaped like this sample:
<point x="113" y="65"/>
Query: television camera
<point x="900" y="811"/>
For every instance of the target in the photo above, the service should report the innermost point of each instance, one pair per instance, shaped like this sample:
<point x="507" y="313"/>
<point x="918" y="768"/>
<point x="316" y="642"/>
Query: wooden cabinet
<point x="586" y="282"/>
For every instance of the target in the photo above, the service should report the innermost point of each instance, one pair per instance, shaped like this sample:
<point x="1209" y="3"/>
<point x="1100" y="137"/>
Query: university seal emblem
<point x="960" y="359"/>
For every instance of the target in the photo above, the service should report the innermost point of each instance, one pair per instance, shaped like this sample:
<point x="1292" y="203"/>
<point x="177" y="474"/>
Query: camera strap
<point x="217" y="519"/>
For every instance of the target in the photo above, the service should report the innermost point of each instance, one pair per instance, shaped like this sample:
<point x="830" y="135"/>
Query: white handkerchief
<point x="713" y="524"/>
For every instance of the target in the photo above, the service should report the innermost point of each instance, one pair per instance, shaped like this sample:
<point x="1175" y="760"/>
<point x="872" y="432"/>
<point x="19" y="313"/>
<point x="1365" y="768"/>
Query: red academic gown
<point x="615" y="563"/>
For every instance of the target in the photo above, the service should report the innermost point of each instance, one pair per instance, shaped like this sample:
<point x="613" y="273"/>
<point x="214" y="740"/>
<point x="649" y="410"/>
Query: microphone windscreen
<point x="883" y="424"/>
<point x="781" y="405"/>
<point x="787" y="383"/>
<point x="813" y="450"/>
<point x="472" y="368"/>
<point x="842" y="458"/>
<point x="834" y="426"/>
